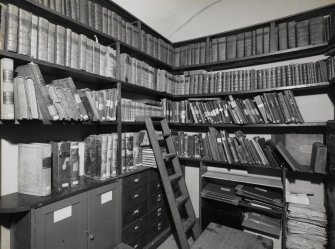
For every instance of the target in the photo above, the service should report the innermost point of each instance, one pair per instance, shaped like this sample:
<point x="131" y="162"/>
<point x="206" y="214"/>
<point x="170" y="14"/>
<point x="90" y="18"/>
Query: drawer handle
<point x="159" y="209"/>
<point x="91" y="237"/>
<point x="135" y="228"/>
<point x="158" y="185"/>
<point x="136" y="212"/>
<point x="136" y="180"/>
<point x="159" y="213"/>
<point x="136" y="246"/>
<point x="135" y="196"/>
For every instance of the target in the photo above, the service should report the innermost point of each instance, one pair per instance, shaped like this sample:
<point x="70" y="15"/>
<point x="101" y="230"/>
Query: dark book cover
<point x="316" y="30"/>
<point x="291" y="26"/>
<point x="240" y="45"/>
<point x="259" y="41"/>
<point x="61" y="169"/>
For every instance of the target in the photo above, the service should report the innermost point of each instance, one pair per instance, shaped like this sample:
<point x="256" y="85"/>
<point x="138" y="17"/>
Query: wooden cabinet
<point x="86" y="220"/>
<point x="144" y="209"/>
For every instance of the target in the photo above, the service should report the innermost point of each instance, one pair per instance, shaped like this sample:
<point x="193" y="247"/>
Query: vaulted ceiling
<point x="185" y="19"/>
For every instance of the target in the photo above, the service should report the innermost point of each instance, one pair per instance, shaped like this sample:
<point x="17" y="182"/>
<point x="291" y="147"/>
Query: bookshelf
<point x="17" y="203"/>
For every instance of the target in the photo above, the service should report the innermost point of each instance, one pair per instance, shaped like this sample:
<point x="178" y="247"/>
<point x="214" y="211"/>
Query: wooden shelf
<point x="245" y="205"/>
<point x="62" y="71"/>
<point x="296" y="89"/>
<point x="129" y="87"/>
<point x="274" y="183"/>
<point x="17" y="202"/>
<point x="227" y="165"/>
<point x="81" y="28"/>
<point x="236" y="126"/>
<point x="288" y="54"/>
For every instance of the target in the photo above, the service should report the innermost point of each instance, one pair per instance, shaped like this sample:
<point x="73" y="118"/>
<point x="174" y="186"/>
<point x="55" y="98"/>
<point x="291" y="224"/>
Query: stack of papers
<point x="148" y="158"/>
<point x="306" y="227"/>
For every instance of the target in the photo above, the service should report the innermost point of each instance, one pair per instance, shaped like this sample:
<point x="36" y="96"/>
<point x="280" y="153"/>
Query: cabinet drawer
<point x="135" y="196"/>
<point x="135" y="229"/>
<point x="134" y="213"/>
<point x="155" y="201"/>
<point x="156" y="229"/>
<point x="134" y="181"/>
<point x="157" y="215"/>
<point x="155" y="186"/>
<point x="139" y="242"/>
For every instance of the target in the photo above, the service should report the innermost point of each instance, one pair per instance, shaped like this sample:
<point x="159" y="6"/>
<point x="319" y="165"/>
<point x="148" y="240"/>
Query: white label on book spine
<point x="62" y="214"/>
<point x="106" y="197"/>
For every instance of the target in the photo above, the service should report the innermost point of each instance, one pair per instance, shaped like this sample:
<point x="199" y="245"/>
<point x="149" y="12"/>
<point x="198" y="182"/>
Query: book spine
<point x="12" y="21"/>
<point x="7" y="88"/>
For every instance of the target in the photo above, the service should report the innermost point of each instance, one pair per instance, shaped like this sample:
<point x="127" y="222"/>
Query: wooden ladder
<point x="184" y="226"/>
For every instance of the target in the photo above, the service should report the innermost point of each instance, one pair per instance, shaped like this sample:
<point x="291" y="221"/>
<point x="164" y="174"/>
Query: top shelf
<point x="90" y="32"/>
<point x="288" y="54"/>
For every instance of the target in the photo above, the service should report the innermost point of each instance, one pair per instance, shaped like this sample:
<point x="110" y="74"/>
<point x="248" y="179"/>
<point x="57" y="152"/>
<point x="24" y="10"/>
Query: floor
<point x="169" y="243"/>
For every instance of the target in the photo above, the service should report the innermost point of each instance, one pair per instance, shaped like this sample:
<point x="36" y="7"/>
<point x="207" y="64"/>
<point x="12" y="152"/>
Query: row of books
<point x="263" y="40"/>
<point x="306" y="227"/>
<point x="54" y="166"/>
<point x="43" y="167"/>
<point x="218" y="145"/>
<point x="243" y="80"/>
<point x="28" y="97"/>
<point x="136" y="108"/>
<point x="273" y="107"/>
<point x="27" y="34"/>
<point x="236" y="194"/>
<point x="140" y="73"/>
<point x="110" y="23"/>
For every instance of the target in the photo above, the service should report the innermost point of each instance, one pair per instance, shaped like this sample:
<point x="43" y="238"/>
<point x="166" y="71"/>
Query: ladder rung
<point x="181" y="200"/>
<point x="175" y="177"/>
<point x="188" y="224"/>
<point x="168" y="156"/>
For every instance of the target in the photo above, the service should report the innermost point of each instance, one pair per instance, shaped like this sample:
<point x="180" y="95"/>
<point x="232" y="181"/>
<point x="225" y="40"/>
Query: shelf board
<point x="288" y="54"/>
<point x="62" y="71"/>
<point x="236" y="126"/>
<point x="245" y="205"/>
<point x="274" y="183"/>
<point x="295" y="89"/>
<point x="81" y="28"/>
<point x="129" y="87"/>
<point x="227" y="165"/>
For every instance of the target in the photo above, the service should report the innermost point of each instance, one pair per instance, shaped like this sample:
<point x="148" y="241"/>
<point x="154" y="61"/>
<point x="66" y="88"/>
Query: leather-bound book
<point x="42" y="41"/>
<point x="291" y="33"/>
<point x="319" y="158"/>
<point x="51" y="43"/>
<point x="3" y="10"/>
<point x="61" y="170"/>
<point x="222" y="48"/>
<point x="7" y="90"/>
<point x="24" y="29"/>
<point x="60" y="45"/>
<point x="240" y="45"/>
<point x="302" y="29"/>
<point x="283" y="38"/>
<point x="12" y="21"/>
<point x="316" y="30"/>
<point x="34" y="169"/>
<point x="231" y="47"/>
<point x="266" y="40"/>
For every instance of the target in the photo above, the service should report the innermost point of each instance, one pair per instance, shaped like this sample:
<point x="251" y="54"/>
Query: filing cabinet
<point x="144" y="209"/>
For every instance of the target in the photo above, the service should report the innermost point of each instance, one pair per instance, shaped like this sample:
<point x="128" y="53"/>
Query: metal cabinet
<point x="87" y="220"/>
